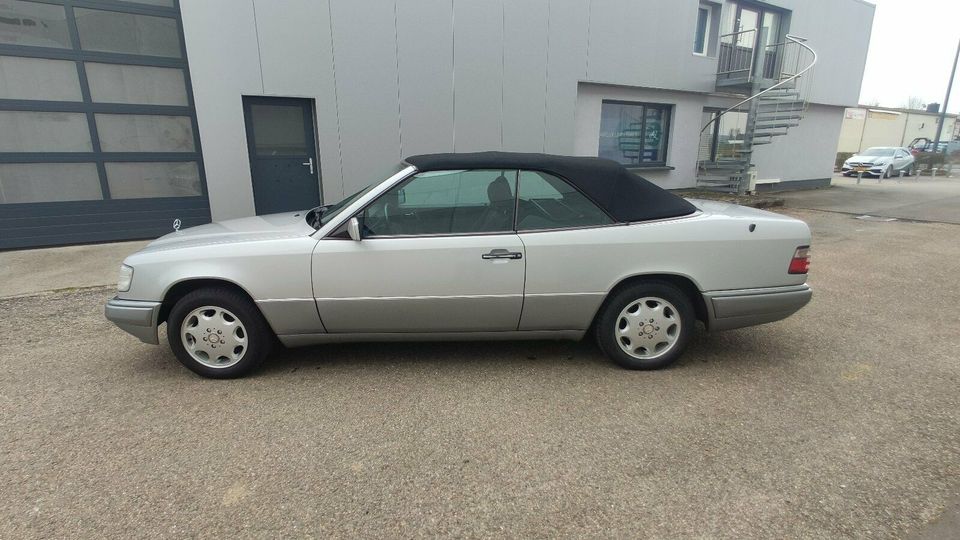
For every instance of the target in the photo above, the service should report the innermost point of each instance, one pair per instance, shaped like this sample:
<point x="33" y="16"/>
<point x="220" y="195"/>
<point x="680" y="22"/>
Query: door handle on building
<point x="310" y="163"/>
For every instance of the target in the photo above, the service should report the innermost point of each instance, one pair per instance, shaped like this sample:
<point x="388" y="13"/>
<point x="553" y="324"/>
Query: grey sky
<point x="911" y="52"/>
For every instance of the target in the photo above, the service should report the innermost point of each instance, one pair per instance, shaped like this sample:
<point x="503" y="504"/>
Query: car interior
<point x="478" y="201"/>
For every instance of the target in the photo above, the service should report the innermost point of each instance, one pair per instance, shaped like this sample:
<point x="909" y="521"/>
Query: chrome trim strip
<point x="751" y="292"/>
<point x="300" y="340"/>
<point x="568" y="294"/>
<point x="425" y="297"/>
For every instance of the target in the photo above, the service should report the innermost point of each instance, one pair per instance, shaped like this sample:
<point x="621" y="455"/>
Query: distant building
<point x="864" y="127"/>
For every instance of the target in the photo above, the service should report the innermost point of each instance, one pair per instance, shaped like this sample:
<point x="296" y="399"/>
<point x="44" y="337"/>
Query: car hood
<point x="869" y="159"/>
<point x="249" y="229"/>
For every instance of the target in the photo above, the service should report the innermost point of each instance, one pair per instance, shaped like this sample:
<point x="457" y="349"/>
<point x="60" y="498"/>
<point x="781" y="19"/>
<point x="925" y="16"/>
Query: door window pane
<point x="112" y="31"/>
<point x="31" y="131"/>
<point x="48" y="182"/>
<point x="445" y="202"/>
<point x="141" y="180"/>
<point x="37" y="25"/>
<point x="118" y="83"/>
<point x="37" y="78"/>
<point x="144" y="133"/>
<point x="278" y="130"/>
<point x="547" y="202"/>
<point x="634" y="133"/>
<point x="730" y="136"/>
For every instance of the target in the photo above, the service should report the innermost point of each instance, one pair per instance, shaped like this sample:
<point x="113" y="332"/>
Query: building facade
<point x="118" y="116"/>
<point x="864" y="127"/>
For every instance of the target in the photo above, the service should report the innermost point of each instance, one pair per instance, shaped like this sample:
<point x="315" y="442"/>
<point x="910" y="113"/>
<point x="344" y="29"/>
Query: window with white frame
<point x="701" y="39"/>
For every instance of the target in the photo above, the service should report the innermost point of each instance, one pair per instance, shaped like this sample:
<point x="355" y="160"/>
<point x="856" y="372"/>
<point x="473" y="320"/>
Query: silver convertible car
<point x="476" y="246"/>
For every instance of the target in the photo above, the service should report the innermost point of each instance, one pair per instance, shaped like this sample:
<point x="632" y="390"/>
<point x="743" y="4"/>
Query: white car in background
<point x="468" y="247"/>
<point x="885" y="161"/>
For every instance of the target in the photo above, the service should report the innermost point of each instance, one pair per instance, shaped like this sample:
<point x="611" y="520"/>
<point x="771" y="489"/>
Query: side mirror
<point x="353" y="229"/>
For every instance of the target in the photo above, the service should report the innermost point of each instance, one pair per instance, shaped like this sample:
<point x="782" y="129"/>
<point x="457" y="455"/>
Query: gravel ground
<point x="843" y="420"/>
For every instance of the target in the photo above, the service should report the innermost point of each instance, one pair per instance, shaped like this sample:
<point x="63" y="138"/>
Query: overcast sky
<point x="911" y="52"/>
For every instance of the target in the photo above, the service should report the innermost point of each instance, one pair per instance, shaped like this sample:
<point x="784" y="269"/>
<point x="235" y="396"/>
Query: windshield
<point x="880" y="152"/>
<point x="319" y="216"/>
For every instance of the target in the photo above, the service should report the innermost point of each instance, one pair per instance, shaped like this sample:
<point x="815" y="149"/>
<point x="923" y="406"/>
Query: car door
<point x="564" y="234"/>
<point x="438" y="254"/>
<point x="899" y="160"/>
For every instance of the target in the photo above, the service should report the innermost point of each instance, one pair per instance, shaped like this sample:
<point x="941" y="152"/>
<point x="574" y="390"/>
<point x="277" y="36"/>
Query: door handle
<point x="310" y="163"/>
<point x="502" y="254"/>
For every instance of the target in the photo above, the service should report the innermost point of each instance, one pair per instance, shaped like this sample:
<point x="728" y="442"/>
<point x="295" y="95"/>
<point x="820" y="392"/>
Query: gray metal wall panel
<point x="425" y="49"/>
<point x="478" y="75"/>
<point x="566" y="64"/>
<point x="524" y="75"/>
<point x="296" y="61"/>
<point x="223" y="66"/>
<point x="640" y="43"/>
<point x="365" y="53"/>
<point x="843" y="54"/>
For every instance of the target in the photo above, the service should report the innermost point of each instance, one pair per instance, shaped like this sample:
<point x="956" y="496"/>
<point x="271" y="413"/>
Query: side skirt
<point x="300" y="340"/>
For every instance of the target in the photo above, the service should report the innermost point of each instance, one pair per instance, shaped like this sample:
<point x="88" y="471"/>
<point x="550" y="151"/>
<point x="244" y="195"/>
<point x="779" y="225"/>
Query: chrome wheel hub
<point x="648" y="328"/>
<point x="214" y="336"/>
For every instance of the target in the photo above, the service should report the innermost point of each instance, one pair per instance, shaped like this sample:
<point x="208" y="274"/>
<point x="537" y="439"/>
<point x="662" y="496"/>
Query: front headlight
<point x="126" y="277"/>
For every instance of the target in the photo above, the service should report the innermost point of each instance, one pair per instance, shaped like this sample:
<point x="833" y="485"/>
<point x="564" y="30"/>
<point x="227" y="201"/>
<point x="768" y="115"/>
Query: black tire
<point x="888" y="172"/>
<point x="258" y="336"/>
<point x="608" y="323"/>
<point x="909" y="171"/>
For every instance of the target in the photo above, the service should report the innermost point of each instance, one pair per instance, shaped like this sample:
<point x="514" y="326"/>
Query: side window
<point x="547" y="202"/>
<point x="445" y="202"/>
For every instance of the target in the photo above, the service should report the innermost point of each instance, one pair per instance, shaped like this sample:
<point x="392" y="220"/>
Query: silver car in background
<point x="470" y="247"/>
<point x="885" y="161"/>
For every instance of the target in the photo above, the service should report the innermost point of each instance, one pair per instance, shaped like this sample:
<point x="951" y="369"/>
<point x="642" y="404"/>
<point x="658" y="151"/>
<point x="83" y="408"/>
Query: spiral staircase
<point x="778" y="79"/>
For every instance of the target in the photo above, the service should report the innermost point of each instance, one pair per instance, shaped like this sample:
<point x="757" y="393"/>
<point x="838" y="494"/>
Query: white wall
<point x="807" y="152"/>
<point x="684" y="135"/>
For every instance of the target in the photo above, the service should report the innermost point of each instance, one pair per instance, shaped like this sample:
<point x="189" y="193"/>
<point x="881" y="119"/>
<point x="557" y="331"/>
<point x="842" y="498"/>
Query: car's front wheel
<point x="646" y="326"/>
<point x="218" y="333"/>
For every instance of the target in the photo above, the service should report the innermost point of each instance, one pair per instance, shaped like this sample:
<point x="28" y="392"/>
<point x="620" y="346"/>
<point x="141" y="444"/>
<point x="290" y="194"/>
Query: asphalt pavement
<point x="842" y="421"/>
<point x="915" y="198"/>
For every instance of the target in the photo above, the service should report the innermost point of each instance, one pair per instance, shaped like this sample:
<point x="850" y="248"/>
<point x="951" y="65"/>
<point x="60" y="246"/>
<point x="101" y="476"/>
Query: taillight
<point x="800" y="263"/>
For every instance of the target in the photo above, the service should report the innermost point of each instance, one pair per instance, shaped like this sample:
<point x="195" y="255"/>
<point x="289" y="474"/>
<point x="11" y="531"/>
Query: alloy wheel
<point x="214" y="336"/>
<point x="648" y="328"/>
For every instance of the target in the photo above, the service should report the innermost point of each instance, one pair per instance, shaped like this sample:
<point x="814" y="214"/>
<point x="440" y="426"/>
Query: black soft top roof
<point x="624" y="195"/>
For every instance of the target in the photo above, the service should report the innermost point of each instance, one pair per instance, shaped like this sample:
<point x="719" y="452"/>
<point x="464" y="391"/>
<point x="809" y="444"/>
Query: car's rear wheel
<point x="646" y="325"/>
<point x="218" y="333"/>
<point x="909" y="171"/>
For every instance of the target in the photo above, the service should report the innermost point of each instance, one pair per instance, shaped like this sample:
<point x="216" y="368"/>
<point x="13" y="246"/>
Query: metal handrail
<point x="738" y="33"/>
<point x="790" y="38"/>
